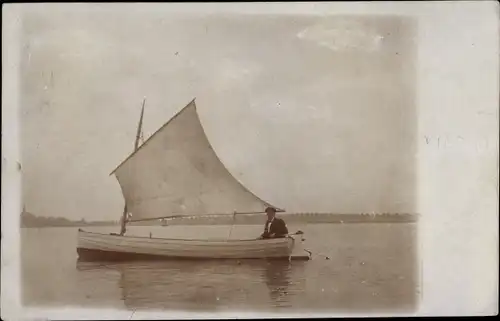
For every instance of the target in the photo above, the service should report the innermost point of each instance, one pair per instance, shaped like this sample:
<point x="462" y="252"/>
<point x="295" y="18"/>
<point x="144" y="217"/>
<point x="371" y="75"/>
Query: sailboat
<point x="176" y="173"/>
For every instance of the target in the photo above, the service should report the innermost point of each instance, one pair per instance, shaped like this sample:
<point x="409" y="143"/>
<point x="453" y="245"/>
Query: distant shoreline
<point x="29" y="220"/>
<point x="250" y="224"/>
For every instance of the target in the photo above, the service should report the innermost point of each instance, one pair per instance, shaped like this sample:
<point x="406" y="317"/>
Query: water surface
<point x="371" y="267"/>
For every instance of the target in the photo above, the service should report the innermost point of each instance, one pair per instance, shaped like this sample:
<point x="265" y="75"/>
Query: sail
<point x="177" y="173"/>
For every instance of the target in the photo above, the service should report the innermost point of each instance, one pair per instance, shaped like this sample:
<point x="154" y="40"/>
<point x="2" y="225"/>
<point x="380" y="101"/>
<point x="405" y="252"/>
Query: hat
<point x="269" y="208"/>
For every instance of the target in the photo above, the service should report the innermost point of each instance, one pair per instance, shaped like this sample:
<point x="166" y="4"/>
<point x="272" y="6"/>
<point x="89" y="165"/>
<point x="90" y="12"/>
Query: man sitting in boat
<point x="275" y="227"/>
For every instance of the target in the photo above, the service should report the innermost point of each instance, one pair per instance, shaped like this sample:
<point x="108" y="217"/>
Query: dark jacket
<point x="278" y="228"/>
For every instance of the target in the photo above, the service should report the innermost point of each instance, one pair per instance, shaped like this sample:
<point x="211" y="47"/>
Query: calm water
<point x="372" y="267"/>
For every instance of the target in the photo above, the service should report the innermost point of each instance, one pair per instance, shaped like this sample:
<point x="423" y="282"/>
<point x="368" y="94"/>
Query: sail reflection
<point x="205" y="285"/>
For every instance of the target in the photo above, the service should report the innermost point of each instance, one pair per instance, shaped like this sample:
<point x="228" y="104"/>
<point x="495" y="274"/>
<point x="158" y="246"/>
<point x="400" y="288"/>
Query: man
<point x="275" y="227"/>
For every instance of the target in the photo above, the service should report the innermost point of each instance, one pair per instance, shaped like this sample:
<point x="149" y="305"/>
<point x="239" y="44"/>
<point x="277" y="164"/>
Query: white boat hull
<point x="104" y="247"/>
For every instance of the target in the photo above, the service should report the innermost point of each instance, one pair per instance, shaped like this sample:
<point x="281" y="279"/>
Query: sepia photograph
<point x="216" y="161"/>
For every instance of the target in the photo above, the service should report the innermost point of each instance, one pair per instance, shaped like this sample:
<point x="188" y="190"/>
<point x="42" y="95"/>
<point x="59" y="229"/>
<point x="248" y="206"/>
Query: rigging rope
<point x="232" y="225"/>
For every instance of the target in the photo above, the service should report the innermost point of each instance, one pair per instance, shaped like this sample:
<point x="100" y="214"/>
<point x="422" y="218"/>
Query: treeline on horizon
<point x="299" y="218"/>
<point x="31" y="220"/>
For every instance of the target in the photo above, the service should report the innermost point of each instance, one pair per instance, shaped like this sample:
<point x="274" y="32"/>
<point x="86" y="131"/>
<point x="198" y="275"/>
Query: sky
<point x="310" y="113"/>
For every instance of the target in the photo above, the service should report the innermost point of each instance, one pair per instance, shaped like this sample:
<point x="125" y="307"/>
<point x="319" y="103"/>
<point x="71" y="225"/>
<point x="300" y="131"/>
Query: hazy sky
<point x="310" y="113"/>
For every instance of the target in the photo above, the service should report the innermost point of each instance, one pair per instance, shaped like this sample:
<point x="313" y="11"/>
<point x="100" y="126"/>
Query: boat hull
<point x="112" y="247"/>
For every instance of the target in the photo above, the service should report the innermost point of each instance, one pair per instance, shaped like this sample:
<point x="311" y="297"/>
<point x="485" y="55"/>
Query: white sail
<point x="177" y="173"/>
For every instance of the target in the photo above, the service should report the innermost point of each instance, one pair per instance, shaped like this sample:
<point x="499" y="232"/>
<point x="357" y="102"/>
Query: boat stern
<point x="299" y="253"/>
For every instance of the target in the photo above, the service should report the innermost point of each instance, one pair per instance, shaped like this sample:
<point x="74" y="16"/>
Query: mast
<point x="139" y="127"/>
<point x="136" y="146"/>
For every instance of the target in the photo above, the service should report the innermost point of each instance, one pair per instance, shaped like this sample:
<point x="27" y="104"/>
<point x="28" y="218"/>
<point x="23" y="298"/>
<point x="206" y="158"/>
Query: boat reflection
<point x="278" y="279"/>
<point x="205" y="285"/>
